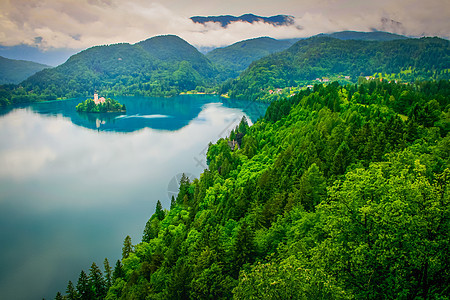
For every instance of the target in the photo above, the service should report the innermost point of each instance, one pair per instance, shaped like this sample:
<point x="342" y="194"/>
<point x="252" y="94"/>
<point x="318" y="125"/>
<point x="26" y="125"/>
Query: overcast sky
<point x="84" y="23"/>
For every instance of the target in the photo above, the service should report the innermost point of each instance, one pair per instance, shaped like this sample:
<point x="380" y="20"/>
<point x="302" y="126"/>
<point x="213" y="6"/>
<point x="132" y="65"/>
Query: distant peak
<point x="225" y="20"/>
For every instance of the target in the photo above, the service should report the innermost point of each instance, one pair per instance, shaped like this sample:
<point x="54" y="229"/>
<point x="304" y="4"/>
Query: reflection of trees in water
<point x="180" y="111"/>
<point x="99" y="118"/>
<point x="253" y="109"/>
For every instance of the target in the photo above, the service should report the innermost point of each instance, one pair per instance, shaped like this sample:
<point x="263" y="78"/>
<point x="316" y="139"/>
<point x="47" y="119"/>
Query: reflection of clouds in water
<point x="81" y="168"/>
<point x="21" y="163"/>
<point x="69" y="193"/>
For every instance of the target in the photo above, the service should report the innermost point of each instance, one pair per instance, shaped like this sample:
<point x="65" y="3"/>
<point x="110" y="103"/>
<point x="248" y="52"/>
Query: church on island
<point x="97" y="100"/>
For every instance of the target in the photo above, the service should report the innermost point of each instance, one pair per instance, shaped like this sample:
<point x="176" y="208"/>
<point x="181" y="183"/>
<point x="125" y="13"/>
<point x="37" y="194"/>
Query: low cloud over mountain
<point x="81" y="24"/>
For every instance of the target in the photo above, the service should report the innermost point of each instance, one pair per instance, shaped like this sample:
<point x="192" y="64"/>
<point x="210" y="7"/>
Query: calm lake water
<point x="73" y="185"/>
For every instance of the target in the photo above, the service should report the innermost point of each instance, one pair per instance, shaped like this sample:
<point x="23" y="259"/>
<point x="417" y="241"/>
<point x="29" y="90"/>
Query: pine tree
<point x="97" y="282"/>
<point x="184" y="186"/>
<point x="243" y="125"/>
<point x="159" y="212"/>
<point x="71" y="292"/>
<point x="341" y="159"/>
<point x="83" y="287"/>
<point x="244" y="247"/>
<point x="118" y="272"/>
<point x="59" y="296"/>
<point x="127" y="247"/>
<point x="108" y="273"/>
<point x="172" y="202"/>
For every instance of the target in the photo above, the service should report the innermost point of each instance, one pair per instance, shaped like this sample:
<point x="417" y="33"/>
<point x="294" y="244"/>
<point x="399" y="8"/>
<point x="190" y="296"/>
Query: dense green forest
<point x="110" y="105"/>
<point x="168" y="65"/>
<point x="366" y="36"/>
<point x="339" y="192"/>
<point x="327" y="58"/>
<point x="159" y="66"/>
<point x="13" y="71"/>
<point x="232" y="60"/>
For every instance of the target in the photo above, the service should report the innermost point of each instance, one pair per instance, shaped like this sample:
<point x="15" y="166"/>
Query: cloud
<point x="84" y="23"/>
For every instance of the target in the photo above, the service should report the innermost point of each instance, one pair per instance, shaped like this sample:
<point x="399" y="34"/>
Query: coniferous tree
<point x="172" y="202"/>
<point x="127" y="247"/>
<point x="97" y="282"/>
<point x="159" y="212"/>
<point x="183" y="190"/>
<point x="243" y="247"/>
<point x="151" y="229"/>
<point x="108" y="273"/>
<point x="71" y="292"/>
<point x="243" y="125"/>
<point x="59" y="296"/>
<point x="118" y="272"/>
<point x="83" y="287"/>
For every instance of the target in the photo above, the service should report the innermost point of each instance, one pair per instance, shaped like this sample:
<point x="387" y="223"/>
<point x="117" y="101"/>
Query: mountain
<point x="278" y="20"/>
<point x="173" y="49"/>
<point x="15" y="71"/>
<point x="366" y="36"/>
<point x="160" y="66"/>
<point x="51" y="57"/>
<point x="234" y="59"/>
<point x="332" y="59"/>
<point x="340" y="192"/>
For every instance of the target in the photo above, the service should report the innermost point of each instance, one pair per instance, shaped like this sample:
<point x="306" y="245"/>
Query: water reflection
<point x="146" y="112"/>
<point x="70" y="194"/>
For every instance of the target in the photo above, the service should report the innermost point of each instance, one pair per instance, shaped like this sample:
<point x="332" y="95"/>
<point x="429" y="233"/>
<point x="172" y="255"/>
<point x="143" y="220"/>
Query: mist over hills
<point x="366" y="36"/>
<point x="225" y="20"/>
<point x="168" y="65"/>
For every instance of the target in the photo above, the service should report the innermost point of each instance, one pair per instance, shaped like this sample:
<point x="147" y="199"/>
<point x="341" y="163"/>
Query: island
<point x="100" y="105"/>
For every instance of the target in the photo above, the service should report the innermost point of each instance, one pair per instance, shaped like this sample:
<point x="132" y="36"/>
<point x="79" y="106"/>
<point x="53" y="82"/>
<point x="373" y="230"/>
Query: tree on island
<point x="109" y="105"/>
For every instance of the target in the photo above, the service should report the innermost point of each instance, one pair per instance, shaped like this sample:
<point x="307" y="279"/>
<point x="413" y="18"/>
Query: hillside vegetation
<point x="15" y="71"/>
<point x="366" y="36"/>
<point x="232" y="60"/>
<point x="328" y="58"/>
<point x="278" y="20"/>
<point x="340" y="192"/>
<point x="168" y="65"/>
<point x="160" y="66"/>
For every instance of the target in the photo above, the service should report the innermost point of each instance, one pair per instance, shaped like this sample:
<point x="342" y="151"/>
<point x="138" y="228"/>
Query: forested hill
<point x="161" y="66"/>
<point x="173" y="49"/>
<point x="366" y="36"/>
<point x="15" y="71"/>
<point x="279" y="20"/>
<point x="232" y="60"/>
<point x="340" y="192"/>
<point x="327" y="58"/>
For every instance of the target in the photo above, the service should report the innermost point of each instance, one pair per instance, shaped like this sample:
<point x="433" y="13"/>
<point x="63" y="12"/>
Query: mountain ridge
<point x="159" y="66"/>
<point x="225" y="20"/>
<point x="234" y="59"/>
<point x="321" y="57"/>
<point x="365" y="36"/>
<point x="168" y="65"/>
<point x="13" y="71"/>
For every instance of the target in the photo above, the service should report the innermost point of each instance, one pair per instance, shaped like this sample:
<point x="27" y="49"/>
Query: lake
<point x="74" y="185"/>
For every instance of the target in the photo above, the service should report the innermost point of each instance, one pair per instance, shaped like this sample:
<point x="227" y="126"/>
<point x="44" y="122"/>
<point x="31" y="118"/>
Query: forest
<point x="110" y="105"/>
<point x="327" y="58"/>
<point x="338" y="192"/>
<point x="165" y="66"/>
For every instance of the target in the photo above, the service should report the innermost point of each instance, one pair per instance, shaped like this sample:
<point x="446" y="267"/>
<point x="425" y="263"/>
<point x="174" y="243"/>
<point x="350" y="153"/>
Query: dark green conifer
<point x="127" y="247"/>
<point x="97" y="282"/>
<point x="71" y="292"/>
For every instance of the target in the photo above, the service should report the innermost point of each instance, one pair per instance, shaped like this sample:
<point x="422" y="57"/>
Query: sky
<point x="79" y="24"/>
